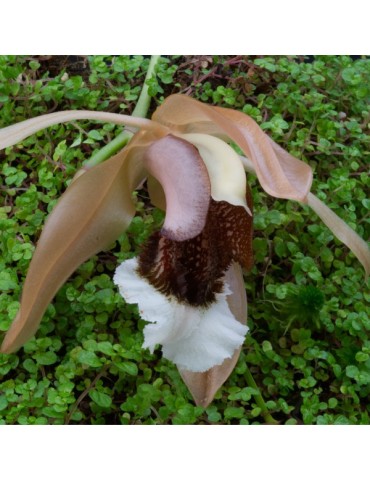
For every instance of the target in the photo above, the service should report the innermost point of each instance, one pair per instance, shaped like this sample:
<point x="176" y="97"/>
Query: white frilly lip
<point x="194" y="338"/>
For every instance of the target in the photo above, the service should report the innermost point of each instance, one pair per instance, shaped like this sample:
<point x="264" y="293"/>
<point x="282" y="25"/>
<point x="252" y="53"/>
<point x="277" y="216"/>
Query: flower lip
<point x="178" y="167"/>
<point x="195" y="339"/>
<point x="192" y="270"/>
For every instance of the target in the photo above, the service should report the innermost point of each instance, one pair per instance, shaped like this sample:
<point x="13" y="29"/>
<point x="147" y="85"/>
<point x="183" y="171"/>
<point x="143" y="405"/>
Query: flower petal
<point x="176" y="164"/>
<point x="342" y="231"/>
<point x="18" y="132"/>
<point x="95" y="209"/>
<point x="203" y="386"/>
<point x="156" y="193"/>
<point x="193" y="338"/>
<point x="280" y="174"/>
<point x="224" y="167"/>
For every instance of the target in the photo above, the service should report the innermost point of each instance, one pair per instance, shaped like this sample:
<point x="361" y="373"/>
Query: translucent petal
<point x="95" y="209"/>
<point x="280" y="174"/>
<point x="342" y="231"/>
<point x="18" y="132"/>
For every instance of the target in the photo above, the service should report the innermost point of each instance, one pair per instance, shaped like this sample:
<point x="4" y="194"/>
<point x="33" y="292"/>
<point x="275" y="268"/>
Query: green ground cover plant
<point x="308" y="348"/>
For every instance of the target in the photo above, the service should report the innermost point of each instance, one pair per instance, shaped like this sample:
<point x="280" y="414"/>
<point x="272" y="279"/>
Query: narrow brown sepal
<point x="204" y="386"/>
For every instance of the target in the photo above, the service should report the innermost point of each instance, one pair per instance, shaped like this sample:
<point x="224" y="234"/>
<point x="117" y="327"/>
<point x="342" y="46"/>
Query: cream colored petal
<point x="224" y="167"/>
<point x="18" y="132"/>
<point x="247" y="164"/>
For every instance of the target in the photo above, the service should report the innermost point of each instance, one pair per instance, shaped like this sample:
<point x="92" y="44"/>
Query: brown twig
<point x="84" y="393"/>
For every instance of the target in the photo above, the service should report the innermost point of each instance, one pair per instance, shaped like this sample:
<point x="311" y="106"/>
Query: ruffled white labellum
<point x="224" y="166"/>
<point x="194" y="338"/>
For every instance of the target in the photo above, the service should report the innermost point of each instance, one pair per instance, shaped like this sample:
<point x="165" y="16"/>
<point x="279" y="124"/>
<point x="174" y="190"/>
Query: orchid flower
<point x="187" y="281"/>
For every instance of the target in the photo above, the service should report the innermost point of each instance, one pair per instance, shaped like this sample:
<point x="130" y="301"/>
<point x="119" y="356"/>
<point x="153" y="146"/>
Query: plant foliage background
<point x="308" y="347"/>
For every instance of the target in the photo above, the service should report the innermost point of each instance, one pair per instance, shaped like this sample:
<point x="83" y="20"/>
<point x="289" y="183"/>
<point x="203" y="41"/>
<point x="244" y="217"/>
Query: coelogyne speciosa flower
<point x="187" y="280"/>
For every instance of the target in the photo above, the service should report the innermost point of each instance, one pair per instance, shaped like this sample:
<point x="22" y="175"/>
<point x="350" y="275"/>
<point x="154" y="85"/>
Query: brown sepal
<point x="94" y="210"/>
<point x="204" y="386"/>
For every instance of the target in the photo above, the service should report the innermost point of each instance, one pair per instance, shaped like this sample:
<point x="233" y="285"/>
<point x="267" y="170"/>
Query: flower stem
<point x="141" y="110"/>
<point x="259" y="399"/>
<point x="142" y="106"/>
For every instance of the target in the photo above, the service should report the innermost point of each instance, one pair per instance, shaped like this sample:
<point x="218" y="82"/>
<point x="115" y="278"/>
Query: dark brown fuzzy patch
<point x="192" y="270"/>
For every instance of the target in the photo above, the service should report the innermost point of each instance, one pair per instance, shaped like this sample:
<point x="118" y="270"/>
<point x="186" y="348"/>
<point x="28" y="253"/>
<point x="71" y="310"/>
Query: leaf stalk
<point x="141" y="110"/>
<point x="259" y="399"/>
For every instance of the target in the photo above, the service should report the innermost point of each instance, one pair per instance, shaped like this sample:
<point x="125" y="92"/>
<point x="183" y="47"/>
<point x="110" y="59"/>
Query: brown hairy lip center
<point x="192" y="270"/>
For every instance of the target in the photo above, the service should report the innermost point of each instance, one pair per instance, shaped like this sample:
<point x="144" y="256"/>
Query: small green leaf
<point x="128" y="367"/>
<point x="100" y="398"/>
<point x="255" y="412"/>
<point x="95" y="135"/>
<point x="6" y="281"/>
<point x="3" y="402"/>
<point x="60" y="150"/>
<point x="213" y="415"/>
<point x="351" y="371"/>
<point x="352" y="76"/>
<point x="52" y="412"/>
<point x="46" y="358"/>
<point x="342" y="420"/>
<point x="234" y="412"/>
<point x="30" y="365"/>
<point x="106" y="348"/>
<point x="266" y="346"/>
<point x="268" y="63"/>
<point x="89" y="358"/>
<point x="34" y="65"/>
<point x="76" y="142"/>
<point x="361" y="357"/>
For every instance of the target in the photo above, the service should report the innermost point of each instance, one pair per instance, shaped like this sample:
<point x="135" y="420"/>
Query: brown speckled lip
<point x="192" y="270"/>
